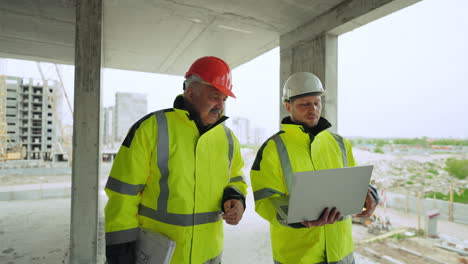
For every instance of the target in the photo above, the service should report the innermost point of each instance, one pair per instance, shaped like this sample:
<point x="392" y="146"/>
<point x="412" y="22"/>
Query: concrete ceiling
<point x="162" y="36"/>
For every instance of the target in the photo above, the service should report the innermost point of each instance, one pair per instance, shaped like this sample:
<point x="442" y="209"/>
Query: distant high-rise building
<point x="108" y="125"/>
<point x="3" y="66"/>
<point x="129" y="108"/>
<point x="258" y="136"/>
<point x="245" y="132"/>
<point x="241" y="128"/>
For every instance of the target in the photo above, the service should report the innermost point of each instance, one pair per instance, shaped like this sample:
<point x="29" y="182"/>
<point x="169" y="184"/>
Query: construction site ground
<point x="404" y="244"/>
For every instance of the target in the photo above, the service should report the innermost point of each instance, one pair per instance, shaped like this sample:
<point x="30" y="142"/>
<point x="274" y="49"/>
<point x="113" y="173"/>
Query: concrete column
<point x="86" y="147"/>
<point x="318" y="56"/>
<point x="286" y="70"/>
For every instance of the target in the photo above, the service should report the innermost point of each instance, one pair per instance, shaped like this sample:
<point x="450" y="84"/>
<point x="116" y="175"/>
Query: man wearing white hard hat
<point x="305" y="144"/>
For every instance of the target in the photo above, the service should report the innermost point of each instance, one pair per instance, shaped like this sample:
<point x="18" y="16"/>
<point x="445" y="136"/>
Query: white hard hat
<point x="302" y="84"/>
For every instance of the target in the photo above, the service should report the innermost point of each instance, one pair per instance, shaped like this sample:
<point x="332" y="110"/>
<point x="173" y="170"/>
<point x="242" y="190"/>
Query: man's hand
<point x="233" y="211"/>
<point x="370" y="206"/>
<point x="328" y="217"/>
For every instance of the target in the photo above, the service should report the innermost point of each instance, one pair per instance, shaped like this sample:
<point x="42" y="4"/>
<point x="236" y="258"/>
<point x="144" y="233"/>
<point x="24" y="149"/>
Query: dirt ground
<point x="411" y="250"/>
<point x="405" y="245"/>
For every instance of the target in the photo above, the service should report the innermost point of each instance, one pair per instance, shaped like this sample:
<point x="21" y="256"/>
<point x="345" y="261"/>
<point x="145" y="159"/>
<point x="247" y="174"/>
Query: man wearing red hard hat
<point x="179" y="173"/>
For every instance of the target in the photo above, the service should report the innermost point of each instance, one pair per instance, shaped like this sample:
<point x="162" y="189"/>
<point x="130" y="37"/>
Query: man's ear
<point x="287" y="105"/>
<point x="189" y="93"/>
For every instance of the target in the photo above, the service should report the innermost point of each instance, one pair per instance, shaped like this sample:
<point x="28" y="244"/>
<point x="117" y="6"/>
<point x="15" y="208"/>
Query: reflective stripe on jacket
<point x="168" y="178"/>
<point x="290" y="151"/>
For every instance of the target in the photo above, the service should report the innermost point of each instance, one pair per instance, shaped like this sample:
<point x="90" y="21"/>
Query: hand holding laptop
<point x="312" y="192"/>
<point x="328" y="217"/>
<point x="370" y="205"/>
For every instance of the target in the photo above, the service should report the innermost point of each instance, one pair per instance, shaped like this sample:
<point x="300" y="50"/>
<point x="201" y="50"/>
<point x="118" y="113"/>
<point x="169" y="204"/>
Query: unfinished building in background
<point x="3" y="121"/>
<point x="27" y="119"/>
<point x="128" y="108"/>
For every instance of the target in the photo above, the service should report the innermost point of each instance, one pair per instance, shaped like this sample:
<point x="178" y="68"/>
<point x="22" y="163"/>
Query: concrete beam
<point x="21" y="49"/>
<point x="342" y="18"/>
<point x="86" y="143"/>
<point x="27" y="35"/>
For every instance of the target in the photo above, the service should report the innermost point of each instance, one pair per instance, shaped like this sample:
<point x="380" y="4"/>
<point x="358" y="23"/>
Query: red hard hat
<point x="214" y="71"/>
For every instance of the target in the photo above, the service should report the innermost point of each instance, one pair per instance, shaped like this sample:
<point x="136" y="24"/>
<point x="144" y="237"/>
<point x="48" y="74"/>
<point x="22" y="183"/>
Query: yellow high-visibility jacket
<point x="168" y="178"/>
<point x="288" y="151"/>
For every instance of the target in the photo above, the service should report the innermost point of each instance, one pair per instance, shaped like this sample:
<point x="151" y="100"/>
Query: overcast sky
<point x="405" y="75"/>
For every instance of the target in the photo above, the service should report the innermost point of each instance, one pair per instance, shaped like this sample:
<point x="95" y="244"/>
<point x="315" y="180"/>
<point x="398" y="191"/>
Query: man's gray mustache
<point x="216" y="111"/>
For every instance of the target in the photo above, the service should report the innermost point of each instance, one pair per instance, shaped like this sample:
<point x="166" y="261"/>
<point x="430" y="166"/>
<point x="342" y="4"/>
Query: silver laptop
<point x="312" y="191"/>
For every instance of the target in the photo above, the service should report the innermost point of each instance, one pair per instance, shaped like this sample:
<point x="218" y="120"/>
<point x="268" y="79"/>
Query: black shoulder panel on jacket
<point x="131" y="133"/>
<point x="258" y="158"/>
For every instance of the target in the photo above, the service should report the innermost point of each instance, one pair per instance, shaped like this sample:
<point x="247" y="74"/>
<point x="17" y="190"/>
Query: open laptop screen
<point x="313" y="191"/>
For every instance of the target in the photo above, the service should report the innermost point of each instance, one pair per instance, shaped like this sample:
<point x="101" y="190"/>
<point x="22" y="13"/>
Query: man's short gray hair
<point x="192" y="79"/>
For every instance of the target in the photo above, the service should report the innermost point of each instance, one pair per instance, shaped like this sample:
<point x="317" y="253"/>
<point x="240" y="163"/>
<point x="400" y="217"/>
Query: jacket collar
<point x="322" y="125"/>
<point x="181" y="104"/>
